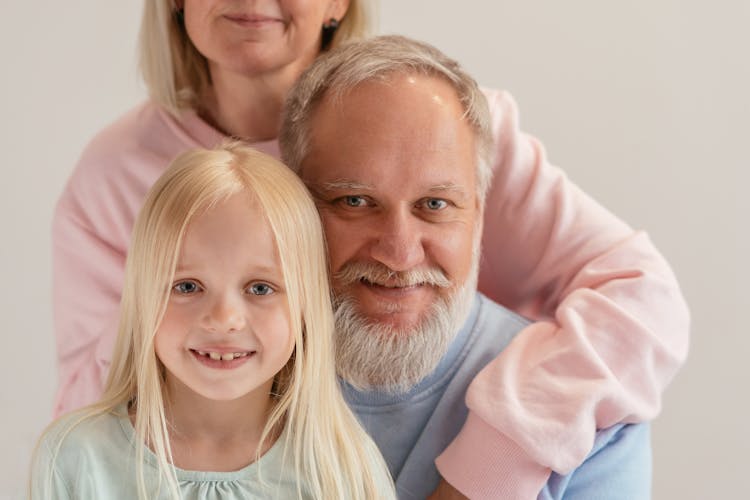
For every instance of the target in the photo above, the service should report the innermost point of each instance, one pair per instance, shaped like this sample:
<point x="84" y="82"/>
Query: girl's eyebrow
<point x="267" y="269"/>
<point x="180" y="268"/>
<point x="260" y="268"/>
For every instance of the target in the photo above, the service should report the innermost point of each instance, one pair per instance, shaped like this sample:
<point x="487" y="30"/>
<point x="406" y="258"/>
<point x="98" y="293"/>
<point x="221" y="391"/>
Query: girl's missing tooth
<point x="223" y="382"/>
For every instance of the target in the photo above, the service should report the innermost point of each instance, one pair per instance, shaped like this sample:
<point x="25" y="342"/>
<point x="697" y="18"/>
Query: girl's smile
<point x="226" y="332"/>
<point x="222" y="360"/>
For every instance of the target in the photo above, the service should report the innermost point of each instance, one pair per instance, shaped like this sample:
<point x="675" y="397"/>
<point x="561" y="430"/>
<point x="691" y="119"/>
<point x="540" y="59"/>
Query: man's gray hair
<point x="376" y="59"/>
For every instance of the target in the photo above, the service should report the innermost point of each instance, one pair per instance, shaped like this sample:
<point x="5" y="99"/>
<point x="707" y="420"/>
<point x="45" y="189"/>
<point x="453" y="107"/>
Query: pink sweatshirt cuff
<point x="483" y="463"/>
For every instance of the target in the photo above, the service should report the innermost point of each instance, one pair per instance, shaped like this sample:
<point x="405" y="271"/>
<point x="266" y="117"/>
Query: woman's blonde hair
<point x="332" y="453"/>
<point x="177" y="75"/>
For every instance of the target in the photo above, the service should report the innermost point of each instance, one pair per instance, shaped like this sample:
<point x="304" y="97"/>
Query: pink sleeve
<point x="611" y="325"/>
<point x="87" y="278"/>
<point x="90" y="235"/>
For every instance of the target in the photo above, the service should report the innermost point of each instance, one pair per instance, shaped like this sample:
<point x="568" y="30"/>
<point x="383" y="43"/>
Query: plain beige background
<point x="644" y="103"/>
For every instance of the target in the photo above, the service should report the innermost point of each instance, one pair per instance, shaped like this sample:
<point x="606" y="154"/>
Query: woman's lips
<point x="251" y="20"/>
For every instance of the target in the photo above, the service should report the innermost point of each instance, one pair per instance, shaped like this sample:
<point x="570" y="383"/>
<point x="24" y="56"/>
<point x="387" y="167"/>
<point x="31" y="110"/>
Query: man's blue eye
<point x="436" y="204"/>
<point x="354" y="201"/>
<point x="260" y="289"/>
<point x="186" y="287"/>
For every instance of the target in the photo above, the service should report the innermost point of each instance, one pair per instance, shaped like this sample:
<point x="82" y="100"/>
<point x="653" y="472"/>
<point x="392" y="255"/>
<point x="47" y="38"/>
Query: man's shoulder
<point x="492" y="314"/>
<point x="493" y="328"/>
<point x="618" y="467"/>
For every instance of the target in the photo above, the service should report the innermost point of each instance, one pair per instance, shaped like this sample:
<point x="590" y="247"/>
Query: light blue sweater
<point x="96" y="460"/>
<point x="412" y="429"/>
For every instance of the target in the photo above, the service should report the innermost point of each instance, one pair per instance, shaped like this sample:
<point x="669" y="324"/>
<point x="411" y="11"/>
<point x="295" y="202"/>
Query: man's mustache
<point x="379" y="274"/>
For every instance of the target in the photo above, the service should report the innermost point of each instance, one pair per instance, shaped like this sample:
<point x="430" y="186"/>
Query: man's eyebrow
<point x="449" y="186"/>
<point x="349" y="185"/>
<point x="341" y="185"/>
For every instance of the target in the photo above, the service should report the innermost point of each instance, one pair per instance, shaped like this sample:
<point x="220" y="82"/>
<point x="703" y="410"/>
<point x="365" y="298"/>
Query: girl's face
<point x="226" y="330"/>
<point x="257" y="37"/>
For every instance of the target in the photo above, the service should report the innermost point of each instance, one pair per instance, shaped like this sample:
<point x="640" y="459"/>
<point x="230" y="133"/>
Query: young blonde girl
<point x="309" y="433"/>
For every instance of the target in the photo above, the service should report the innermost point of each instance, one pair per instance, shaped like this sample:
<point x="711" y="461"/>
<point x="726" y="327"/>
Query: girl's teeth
<point x="223" y="357"/>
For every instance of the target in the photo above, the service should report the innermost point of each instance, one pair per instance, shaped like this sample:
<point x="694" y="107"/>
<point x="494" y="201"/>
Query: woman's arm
<point x="87" y="279"/>
<point x="611" y="325"/>
<point x="90" y="235"/>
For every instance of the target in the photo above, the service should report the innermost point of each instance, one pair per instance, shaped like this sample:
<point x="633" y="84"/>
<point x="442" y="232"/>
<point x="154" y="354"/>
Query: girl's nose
<point x="226" y="315"/>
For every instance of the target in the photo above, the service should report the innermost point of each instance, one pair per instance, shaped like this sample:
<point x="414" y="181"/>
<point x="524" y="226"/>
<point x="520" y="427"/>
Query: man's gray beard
<point x="371" y="355"/>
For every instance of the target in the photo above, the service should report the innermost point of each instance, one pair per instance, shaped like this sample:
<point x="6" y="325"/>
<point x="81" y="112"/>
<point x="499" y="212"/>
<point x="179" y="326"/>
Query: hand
<point x="445" y="491"/>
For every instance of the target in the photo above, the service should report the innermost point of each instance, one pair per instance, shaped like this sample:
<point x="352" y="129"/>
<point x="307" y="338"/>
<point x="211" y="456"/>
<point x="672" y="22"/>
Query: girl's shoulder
<point x="81" y="453"/>
<point x="84" y="433"/>
<point x="87" y="455"/>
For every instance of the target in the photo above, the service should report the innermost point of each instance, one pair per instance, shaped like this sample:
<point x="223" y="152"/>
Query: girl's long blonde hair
<point x="332" y="453"/>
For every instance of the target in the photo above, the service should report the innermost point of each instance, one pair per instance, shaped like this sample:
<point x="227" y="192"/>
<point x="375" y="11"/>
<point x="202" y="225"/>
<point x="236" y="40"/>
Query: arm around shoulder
<point x="611" y="324"/>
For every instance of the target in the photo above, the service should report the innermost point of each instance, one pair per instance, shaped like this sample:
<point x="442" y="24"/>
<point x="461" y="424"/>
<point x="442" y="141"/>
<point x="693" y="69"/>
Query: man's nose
<point x="398" y="241"/>
<point x="225" y="315"/>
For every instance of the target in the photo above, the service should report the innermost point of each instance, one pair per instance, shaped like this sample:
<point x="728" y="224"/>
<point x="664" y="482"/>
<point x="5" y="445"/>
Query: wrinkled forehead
<point x="400" y="128"/>
<point x="397" y="94"/>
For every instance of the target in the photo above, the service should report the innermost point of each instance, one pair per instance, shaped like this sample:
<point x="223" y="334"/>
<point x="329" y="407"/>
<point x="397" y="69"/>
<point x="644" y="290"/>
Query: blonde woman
<point x="222" y="382"/>
<point x="218" y="68"/>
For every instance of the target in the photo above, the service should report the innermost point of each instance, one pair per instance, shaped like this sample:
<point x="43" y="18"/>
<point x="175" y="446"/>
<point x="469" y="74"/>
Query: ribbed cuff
<point x="483" y="464"/>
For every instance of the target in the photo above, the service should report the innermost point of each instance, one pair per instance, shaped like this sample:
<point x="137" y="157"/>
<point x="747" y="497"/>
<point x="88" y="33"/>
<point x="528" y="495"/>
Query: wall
<point x="644" y="104"/>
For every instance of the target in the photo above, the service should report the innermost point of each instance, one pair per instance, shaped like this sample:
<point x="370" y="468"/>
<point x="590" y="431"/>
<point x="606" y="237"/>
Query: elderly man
<point x="392" y="139"/>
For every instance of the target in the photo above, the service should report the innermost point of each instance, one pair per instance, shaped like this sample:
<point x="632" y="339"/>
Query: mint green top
<point x="97" y="460"/>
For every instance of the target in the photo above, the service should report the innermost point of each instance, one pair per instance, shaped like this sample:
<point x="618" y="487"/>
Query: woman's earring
<point x="179" y="15"/>
<point x="329" y="29"/>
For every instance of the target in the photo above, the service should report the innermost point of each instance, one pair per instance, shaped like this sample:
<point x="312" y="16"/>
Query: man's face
<point x="392" y="166"/>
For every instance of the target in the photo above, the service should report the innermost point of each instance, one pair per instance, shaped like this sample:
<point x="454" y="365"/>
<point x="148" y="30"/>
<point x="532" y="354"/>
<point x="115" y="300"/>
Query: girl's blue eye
<point x="260" y="289"/>
<point x="186" y="287"/>
<point x="436" y="204"/>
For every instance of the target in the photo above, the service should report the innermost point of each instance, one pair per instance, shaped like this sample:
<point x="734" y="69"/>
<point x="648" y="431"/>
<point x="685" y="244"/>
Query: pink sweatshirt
<point x="611" y="324"/>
